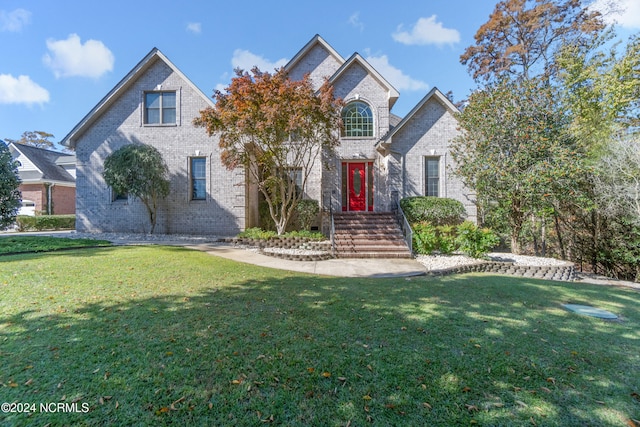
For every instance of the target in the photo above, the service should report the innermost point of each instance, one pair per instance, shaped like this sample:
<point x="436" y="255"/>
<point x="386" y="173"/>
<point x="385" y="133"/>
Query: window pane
<point x="152" y="108"/>
<point x="432" y="168"/>
<point x="153" y="100"/>
<point x="198" y="167"/>
<point x="168" y="100"/>
<point x="199" y="189"/>
<point x="152" y="116"/>
<point x="169" y="115"/>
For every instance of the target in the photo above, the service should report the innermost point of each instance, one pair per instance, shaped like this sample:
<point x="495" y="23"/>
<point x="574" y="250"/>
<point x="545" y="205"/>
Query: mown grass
<point x="167" y="336"/>
<point x="24" y="244"/>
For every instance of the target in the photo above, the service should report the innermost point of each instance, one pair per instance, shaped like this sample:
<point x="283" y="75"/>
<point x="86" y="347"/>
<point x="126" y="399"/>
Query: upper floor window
<point x="357" y="120"/>
<point x="160" y="108"/>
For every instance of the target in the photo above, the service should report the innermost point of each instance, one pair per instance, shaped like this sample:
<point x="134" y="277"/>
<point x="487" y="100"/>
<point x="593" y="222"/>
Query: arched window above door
<point x="357" y="120"/>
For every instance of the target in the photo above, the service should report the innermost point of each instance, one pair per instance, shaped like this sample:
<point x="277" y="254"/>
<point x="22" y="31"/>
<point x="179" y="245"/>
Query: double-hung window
<point x="432" y="176"/>
<point x="160" y="108"/>
<point x="198" y="173"/>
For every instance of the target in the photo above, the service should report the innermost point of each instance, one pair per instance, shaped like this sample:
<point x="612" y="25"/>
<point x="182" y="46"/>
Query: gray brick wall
<point x="429" y="133"/>
<point x="222" y="213"/>
<point x="318" y="62"/>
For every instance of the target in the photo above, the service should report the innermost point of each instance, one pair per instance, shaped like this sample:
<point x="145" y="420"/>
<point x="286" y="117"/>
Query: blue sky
<point x="59" y="58"/>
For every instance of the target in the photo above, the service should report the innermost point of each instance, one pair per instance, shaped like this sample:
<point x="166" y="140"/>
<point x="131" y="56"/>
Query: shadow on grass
<point x="234" y="344"/>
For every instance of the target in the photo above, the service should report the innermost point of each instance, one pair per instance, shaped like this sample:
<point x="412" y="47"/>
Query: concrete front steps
<point x="368" y="235"/>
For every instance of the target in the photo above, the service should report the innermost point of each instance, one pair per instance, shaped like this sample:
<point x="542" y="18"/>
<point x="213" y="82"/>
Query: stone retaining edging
<point x="283" y="243"/>
<point x="298" y="257"/>
<point x="554" y="272"/>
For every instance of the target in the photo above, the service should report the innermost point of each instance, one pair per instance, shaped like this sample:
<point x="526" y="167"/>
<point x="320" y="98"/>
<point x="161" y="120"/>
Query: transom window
<point x="357" y="120"/>
<point x="198" y="178"/>
<point x="160" y="108"/>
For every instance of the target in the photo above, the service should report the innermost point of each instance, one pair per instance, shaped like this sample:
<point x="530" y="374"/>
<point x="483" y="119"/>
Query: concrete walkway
<point x="379" y="268"/>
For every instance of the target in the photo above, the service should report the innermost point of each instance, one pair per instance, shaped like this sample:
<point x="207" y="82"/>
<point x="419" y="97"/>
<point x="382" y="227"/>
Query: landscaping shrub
<point x="257" y="233"/>
<point x="474" y="241"/>
<point x="45" y="222"/>
<point x="447" y="243"/>
<point x="306" y="212"/>
<point x="260" y="234"/>
<point x="425" y="239"/>
<point x="315" y="235"/>
<point x="435" y="210"/>
<point x="467" y="238"/>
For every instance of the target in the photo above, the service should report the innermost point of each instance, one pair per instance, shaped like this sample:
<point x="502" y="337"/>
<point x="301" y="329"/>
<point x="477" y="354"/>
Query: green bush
<point x="306" y="212"/>
<point x="257" y="233"/>
<point x="45" y="222"/>
<point x="474" y="241"/>
<point x="467" y="238"/>
<point x="425" y="239"/>
<point x="315" y="235"/>
<point x="435" y="210"/>
<point x="447" y="243"/>
<point x="260" y="234"/>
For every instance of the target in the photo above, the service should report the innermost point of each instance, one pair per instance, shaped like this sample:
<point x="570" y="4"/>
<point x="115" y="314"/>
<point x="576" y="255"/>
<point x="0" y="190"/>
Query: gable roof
<point x="142" y="66"/>
<point x="47" y="162"/>
<point x="433" y="94"/>
<point x="392" y="93"/>
<point x="315" y="40"/>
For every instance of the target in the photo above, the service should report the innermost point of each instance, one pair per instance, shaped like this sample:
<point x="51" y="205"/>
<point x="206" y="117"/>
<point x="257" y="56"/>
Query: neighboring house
<point x="48" y="180"/>
<point x="381" y="159"/>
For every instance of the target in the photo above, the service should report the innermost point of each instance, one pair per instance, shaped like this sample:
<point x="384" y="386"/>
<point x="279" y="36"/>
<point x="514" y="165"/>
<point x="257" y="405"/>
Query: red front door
<point x="357" y="184"/>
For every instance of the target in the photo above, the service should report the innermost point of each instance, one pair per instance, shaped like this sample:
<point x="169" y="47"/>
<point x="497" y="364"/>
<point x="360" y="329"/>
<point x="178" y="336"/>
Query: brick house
<point x="48" y="180"/>
<point x="381" y="158"/>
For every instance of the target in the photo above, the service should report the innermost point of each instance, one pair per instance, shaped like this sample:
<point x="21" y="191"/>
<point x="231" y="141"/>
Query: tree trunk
<point x="534" y="233"/>
<point x="516" y="219"/>
<point x="563" y="254"/>
<point x="543" y="237"/>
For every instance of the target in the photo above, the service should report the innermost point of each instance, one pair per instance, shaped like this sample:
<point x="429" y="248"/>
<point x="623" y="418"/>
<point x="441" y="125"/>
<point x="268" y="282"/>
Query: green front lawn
<point x="168" y="336"/>
<point x="22" y="244"/>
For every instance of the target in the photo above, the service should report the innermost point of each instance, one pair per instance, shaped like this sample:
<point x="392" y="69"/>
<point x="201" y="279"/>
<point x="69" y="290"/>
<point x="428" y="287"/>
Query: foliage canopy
<point x="277" y="128"/>
<point x="139" y="171"/>
<point x="514" y="150"/>
<point x="520" y="37"/>
<point x="36" y="138"/>
<point x="9" y="182"/>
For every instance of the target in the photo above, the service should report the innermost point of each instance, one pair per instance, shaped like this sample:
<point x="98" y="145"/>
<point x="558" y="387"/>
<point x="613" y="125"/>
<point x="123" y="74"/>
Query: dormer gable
<point x="318" y="59"/>
<point x="433" y="95"/>
<point x="127" y="82"/>
<point x="357" y="60"/>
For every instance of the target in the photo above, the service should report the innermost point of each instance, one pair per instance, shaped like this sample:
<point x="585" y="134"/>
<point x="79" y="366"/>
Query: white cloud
<point x="14" y="21"/>
<point x="194" y="27"/>
<point x="246" y="60"/>
<point x="395" y="76"/>
<point x="70" y="57"/>
<point x="21" y="90"/>
<point x="355" y="21"/>
<point x="427" y="31"/>
<point x="625" y="13"/>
